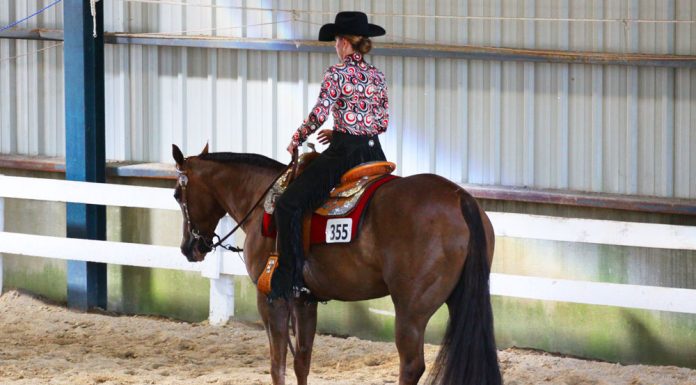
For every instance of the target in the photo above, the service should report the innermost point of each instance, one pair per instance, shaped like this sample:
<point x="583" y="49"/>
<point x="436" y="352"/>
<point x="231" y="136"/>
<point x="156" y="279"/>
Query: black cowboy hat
<point x="350" y="23"/>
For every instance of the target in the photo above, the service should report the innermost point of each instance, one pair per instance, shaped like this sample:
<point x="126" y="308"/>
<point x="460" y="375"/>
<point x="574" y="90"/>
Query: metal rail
<point x="385" y="49"/>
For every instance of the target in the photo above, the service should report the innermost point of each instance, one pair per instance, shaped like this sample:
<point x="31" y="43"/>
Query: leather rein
<point x="211" y="245"/>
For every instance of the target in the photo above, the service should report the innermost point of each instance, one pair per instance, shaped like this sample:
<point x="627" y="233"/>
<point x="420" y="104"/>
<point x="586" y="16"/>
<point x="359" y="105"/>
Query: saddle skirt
<point x="338" y="219"/>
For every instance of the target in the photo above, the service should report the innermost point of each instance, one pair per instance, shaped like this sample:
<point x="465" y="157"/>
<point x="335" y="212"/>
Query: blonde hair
<point x="360" y="44"/>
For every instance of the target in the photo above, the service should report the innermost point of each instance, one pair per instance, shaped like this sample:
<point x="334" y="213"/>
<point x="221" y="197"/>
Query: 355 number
<point x="339" y="232"/>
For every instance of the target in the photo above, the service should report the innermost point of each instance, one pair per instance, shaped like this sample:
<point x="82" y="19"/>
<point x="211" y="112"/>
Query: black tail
<point x="468" y="355"/>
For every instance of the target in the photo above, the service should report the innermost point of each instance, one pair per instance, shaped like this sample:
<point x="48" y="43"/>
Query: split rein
<point x="211" y="245"/>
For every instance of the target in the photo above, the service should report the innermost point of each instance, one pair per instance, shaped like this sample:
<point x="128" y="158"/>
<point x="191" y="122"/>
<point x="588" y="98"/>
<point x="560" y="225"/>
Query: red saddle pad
<point x="333" y="229"/>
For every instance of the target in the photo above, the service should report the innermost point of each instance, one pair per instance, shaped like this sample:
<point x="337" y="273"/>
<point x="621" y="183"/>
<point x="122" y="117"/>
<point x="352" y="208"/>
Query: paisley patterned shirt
<point x="356" y="92"/>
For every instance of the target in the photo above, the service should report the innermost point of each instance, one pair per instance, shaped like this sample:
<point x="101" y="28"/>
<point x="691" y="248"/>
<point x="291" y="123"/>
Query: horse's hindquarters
<point x="412" y="244"/>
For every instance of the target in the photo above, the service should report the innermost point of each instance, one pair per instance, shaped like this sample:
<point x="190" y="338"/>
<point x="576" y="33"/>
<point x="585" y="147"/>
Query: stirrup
<point x="264" y="282"/>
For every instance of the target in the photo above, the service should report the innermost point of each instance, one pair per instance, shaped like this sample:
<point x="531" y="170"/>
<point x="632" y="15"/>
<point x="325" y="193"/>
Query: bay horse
<point x="424" y="241"/>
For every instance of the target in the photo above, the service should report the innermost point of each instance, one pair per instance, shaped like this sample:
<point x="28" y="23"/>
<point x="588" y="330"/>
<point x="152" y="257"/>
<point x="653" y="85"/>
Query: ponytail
<point x="360" y="44"/>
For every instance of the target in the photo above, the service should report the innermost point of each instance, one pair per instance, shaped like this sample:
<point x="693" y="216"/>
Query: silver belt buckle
<point x="371" y="143"/>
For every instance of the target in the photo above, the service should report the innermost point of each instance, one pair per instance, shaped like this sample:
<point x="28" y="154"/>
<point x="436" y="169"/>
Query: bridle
<point x="210" y="244"/>
<point x="182" y="179"/>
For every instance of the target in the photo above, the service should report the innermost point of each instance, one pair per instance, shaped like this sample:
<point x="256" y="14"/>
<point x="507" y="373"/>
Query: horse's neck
<point x="239" y="187"/>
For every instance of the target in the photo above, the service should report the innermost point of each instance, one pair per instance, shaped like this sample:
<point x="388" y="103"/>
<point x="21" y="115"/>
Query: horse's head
<point x="199" y="206"/>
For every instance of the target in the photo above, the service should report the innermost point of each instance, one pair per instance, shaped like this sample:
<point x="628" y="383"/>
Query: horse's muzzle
<point x="194" y="250"/>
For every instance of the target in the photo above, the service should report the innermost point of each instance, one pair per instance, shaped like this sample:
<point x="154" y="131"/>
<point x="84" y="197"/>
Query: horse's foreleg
<point x="305" y="321"/>
<point x="410" y="332"/>
<point x="275" y="317"/>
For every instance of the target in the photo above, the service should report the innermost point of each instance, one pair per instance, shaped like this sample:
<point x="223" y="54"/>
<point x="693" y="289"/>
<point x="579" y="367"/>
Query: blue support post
<point x="84" y="153"/>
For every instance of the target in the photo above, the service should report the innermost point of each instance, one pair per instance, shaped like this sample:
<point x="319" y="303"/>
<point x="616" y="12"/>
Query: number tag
<point x="339" y="230"/>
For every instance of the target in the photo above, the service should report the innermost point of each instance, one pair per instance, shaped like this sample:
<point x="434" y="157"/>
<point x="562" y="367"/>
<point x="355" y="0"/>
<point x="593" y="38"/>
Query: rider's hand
<point x="291" y="147"/>
<point x="325" y="136"/>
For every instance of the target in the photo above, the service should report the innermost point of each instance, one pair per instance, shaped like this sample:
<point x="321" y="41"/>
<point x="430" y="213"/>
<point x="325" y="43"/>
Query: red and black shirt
<point x="357" y="94"/>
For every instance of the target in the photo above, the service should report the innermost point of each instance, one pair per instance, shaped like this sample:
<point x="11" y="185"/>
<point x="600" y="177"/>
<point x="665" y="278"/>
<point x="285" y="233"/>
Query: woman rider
<point x="356" y="93"/>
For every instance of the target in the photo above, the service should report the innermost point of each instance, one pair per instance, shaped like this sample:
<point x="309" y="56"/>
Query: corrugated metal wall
<point x="31" y="85"/>
<point x="582" y="127"/>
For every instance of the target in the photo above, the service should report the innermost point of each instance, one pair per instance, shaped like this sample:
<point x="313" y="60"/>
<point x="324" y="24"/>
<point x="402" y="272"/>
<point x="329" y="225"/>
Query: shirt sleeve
<point x="384" y="110"/>
<point x="330" y="92"/>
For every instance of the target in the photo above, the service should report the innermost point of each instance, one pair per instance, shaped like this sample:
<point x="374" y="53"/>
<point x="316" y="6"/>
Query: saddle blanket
<point x="332" y="228"/>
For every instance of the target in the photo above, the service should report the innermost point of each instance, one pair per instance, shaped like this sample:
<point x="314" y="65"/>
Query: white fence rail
<point x="219" y="266"/>
<point x="594" y="231"/>
<point x="222" y="265"/>
<point x="120" y="253"/>
<point x="85" y="192"/>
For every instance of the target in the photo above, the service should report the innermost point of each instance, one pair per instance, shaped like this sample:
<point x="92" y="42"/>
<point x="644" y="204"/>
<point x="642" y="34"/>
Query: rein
<point x="183" y="181"/>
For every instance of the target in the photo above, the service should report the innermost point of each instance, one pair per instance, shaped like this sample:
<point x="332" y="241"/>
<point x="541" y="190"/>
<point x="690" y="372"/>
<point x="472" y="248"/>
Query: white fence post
<point x="221" y="286"/>
<point x="221" y="300"/>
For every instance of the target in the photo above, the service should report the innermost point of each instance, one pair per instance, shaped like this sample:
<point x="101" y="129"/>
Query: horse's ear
<point x="205" y="149"/>
<point x="178" y="156"/>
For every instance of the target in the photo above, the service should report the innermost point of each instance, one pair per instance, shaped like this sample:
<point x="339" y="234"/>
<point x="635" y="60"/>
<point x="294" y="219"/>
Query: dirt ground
<point x="41" y="343"/>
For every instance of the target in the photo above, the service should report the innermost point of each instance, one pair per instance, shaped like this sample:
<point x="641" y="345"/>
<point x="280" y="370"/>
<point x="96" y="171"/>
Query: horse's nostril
<point x="187" y="249"/>
<point x="203" y="248"/>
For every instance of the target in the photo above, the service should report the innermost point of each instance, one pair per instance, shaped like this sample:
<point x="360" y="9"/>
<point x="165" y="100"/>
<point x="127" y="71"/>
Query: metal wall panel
<point x="31" y="85"/>
<point x="582" y="127"/>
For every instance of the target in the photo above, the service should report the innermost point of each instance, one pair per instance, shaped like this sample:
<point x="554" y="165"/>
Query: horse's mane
<point x="250" y="159"/>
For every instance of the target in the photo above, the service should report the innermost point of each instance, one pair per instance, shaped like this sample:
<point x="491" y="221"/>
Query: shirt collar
<point x="354" y="57"/>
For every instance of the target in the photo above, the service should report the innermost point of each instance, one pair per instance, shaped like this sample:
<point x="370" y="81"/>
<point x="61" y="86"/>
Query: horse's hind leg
<point x="275" y="317"/>
<point x="410" y="332"/>
<point x="305" y="321"/>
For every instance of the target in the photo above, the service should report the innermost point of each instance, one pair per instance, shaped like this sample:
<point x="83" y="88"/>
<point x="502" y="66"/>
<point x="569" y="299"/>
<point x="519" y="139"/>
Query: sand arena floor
<point x="41" y="343"/>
